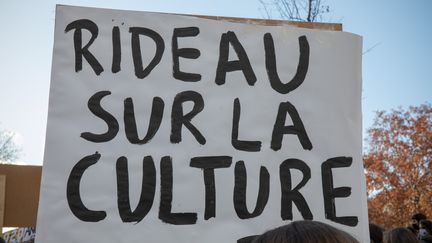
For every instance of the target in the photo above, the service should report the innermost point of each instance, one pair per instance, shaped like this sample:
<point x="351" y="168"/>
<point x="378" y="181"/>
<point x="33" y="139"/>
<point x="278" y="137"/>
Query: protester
<point x="376" y="233"/>
<point x="415" y="220"/>
<point x="425" y="231"/>
<point x="414" y="231"/>
<point x="399" y="235"/>
<point x="305" y="232"/>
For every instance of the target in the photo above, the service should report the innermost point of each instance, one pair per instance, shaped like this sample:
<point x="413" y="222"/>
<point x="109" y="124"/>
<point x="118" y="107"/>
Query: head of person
<point x="410" y="228"/>
<point x="2" y="240"/>
<point x="399" y="235"/>
<point x="376" y="233"/>
<point x="415" y="220"/>
<point x="305" y="232"/>
<point x="425" y="227"/>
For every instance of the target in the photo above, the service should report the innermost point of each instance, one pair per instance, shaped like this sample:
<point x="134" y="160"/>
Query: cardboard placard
<point x="170" y="128"/>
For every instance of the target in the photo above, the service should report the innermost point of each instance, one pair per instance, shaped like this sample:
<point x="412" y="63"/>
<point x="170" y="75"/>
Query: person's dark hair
<point x="2" y="240"/>
<point x="410" y="228"/>
<point x="376" y="233"/>
<point x="399" y="235"/>
<point x="305" y="232"/>
<point x="419" y="216"/>
<point x="427" y="225"/>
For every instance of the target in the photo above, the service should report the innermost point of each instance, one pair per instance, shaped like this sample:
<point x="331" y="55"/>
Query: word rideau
<point x="223" y="67"/>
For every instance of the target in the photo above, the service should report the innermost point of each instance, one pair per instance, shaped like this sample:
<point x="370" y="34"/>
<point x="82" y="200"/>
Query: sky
<point x="397" y="39"/>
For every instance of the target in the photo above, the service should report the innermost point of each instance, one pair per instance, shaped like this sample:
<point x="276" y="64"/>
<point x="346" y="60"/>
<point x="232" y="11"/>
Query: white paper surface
<point x="328" y="103"/>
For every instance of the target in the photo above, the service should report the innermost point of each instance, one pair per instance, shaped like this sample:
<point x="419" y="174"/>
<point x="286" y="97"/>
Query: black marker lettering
<point x="290" y="195"/>
<point x="81" y="51"/>
<point x="116" y="60"/>
<point x="240" y="191"/>
<point x="178" y="119"/>
<point x="148" y="188"/>
<point x="331" y="193"/>
<point x="73" y="191"/>
<point x="250" y="146"/>
<point x="242" y="63"/>
<point x="154" y="123"/>
<point x="208" y="164"/>
<point x="271" y="66"/>
<point x="191" y="53"/>
<point x="94" y="105"/>
<point x="165" y="206"/>
<point x="297" y="128"/>
<point x="140" y="72"/>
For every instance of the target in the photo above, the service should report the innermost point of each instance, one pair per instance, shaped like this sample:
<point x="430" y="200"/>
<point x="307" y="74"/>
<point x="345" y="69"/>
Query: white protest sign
<point x="166" y="128"/>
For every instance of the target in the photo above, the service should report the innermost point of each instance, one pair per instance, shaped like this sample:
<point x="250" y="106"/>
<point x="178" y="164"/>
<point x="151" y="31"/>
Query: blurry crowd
<point x="418" y="231"/>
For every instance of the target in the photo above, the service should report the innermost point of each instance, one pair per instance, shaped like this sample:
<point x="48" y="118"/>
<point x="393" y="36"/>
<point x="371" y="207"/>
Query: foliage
<point x="299" y="10"/>
<point x="9" y="151"/>
<point x="398" y="165"/>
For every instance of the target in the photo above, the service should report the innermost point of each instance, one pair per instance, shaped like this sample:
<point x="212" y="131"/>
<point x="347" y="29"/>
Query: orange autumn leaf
<point x="398" y="165"/>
